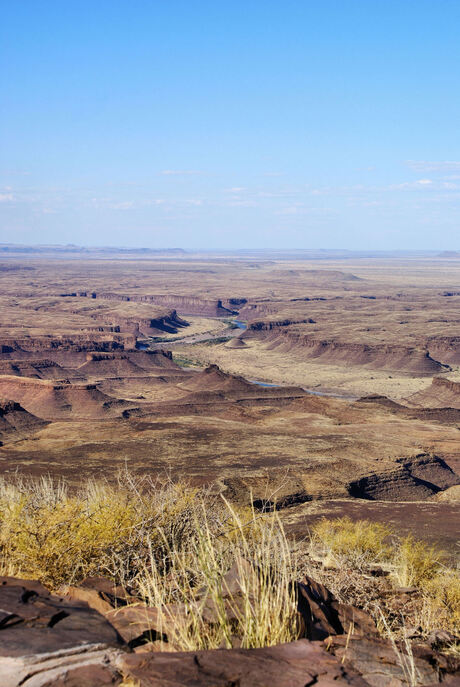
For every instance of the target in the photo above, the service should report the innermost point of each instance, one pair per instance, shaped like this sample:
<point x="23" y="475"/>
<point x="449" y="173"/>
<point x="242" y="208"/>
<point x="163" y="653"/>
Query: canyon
<point x="290" y="388"/>
<point x="149" y="362"/>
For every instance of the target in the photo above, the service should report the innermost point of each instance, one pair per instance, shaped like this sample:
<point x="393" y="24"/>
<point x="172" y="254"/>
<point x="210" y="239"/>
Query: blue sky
<point x="231" y="124"/>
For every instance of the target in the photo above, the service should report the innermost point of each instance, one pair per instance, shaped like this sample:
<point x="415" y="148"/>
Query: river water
<point x="243" y="325"/>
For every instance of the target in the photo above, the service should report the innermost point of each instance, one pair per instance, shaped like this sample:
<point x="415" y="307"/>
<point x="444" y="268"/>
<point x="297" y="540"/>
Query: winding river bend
<point x="239" y="326"/>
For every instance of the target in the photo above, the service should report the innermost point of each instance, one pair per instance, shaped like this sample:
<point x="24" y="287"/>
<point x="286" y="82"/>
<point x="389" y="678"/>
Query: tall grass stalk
<point x="230" y="589"/>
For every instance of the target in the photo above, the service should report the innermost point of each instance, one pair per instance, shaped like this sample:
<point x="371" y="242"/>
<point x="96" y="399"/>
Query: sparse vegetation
<point x="183" y="361"/>
<point x="218" y="574"/>
<point x="417" y="562"/>
<point x="354" y="547"/>
<point x="214" y="341"/>
<point x="59" y="536"/>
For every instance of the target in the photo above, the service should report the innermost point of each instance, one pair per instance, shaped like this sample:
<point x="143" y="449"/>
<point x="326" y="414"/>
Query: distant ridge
<point x="9" y="248"/>
<point x="449" y="254"/>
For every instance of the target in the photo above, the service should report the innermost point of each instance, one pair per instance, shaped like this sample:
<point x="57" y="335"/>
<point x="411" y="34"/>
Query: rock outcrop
<point x="297" y="664"/>
<point x="45" y="638"/>
<point x="442" y="393"/>
<point x="98" y="634"/>
<point x="287" y="337"/>
<point x="415" y="480"/>
<point x="16" y="422"/>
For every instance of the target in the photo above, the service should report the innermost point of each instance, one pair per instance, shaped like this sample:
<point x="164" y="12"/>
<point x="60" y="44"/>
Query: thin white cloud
<point x="240" y="202"/>
<point x="125" y="205"/>
<point x="15" y="172"/>
<point x="434" y="166"/>
<point x="6" y="198"/>
<point x="155" y="201"/>
<point x="178" y="172"/>
<point x="193" y="201"/>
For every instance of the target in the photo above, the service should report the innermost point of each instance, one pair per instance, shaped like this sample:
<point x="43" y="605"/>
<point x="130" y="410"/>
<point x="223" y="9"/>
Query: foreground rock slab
<point x="297" y="664"/>
<point x="44" y="638"/>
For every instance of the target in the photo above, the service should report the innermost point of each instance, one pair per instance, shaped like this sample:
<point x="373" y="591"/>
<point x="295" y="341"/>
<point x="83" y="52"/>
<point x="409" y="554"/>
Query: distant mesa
<point x="213" y="378"/>
<point x="322" y="276"/>
<point x="64" y="400"/>
<point x="92" y="250"/>
<point x="37" y="369"/>
<point x="15" y="420"/>
<point x="289" y="335"/>
<point x="126" y="363"/>
<point x="109" y="365"/>
<point x="449" y="254"/>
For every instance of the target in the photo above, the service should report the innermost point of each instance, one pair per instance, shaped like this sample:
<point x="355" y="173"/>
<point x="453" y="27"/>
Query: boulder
<point x="321" y="615"/>
<point x="296" y="664"/>
<point x="99" y="593"/>
<point x="136" y="624"/>
<point x="382" y="663"/>
<point x="43" y="636"/>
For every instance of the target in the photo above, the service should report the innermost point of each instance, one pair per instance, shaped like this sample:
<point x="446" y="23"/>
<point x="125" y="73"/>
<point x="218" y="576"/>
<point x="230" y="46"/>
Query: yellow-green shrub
<point x="358" y="542"/>
<point x="442" y="602"/>
<point x="59" y="537"/>
<point x="416" y="562"/>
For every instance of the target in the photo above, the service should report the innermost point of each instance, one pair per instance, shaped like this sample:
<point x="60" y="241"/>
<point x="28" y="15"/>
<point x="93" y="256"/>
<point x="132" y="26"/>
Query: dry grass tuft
<point x="252" y="606"/>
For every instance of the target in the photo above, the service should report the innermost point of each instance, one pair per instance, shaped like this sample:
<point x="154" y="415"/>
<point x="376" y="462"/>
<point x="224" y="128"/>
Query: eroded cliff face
<point x="270" y="325"/>
<point x="186" y="305"/>
<point x="45" y="346"/>
<point x="63" y="400"/>
<point x="446" y="349"/>
<point x="281" y="335"/>
<point x="35" y="369"/>
<point x="16" y="423"/>
<point x="415" y="480"/>
<point x="442" y="393"/>
<point x="169" y="323"/>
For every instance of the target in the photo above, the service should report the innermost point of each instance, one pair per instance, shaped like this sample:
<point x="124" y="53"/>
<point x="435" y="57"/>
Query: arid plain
<point x="326" y="385"/>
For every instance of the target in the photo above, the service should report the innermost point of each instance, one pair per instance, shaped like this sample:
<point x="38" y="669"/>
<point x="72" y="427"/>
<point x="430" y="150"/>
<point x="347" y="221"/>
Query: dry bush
<point x="357" y="543"/>
<point x="416" y="562"/>
<point x="351" y="546"/>
<point x="172" y="544"/>
<point x="57" y="536"/>
<point x="441" y="603"/>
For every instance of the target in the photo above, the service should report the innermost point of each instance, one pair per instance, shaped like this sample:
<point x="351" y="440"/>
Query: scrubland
<point x="214" y="527"/>
<point x="219" y="575"/>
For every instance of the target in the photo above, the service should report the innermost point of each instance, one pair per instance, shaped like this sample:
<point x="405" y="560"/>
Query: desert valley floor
<point x="328" y="386"/>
